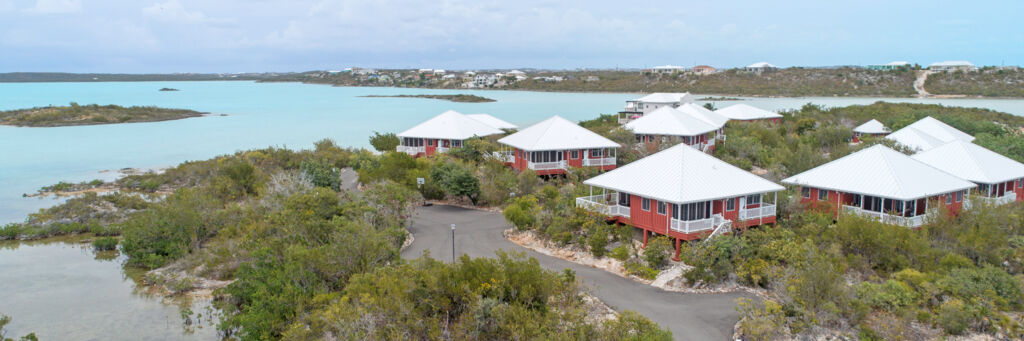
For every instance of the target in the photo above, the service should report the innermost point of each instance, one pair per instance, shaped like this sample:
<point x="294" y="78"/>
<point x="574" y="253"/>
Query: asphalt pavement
<point x="479" y="234"/>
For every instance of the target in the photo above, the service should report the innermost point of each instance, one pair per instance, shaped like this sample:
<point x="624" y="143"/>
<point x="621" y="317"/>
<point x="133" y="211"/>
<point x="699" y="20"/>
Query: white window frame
<point x="645" y="204"/>
<point x="805" y="192"/>
<point x="661" y="207"/>
<point x="730" y="204"/>
<point x="822" y="191"/>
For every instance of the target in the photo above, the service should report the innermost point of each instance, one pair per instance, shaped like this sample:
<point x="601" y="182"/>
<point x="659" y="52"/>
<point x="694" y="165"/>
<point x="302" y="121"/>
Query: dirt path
<point x="922" y="76"/>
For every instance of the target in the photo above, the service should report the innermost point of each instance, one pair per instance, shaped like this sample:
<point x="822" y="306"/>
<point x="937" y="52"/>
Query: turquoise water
<point x="260" y="115"/>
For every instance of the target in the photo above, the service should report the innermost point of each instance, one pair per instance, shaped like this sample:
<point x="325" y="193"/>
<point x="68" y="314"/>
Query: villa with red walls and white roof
<point x="1000" y="179"/>
<point x="682" y="193"/>
<point x="870" y="128"/>
<point x="881" y="183"/>
<point x="748" y="113"/>
<point x="445" y="131"/>
<point x="555" y="144"/>
<point x="642" y="106"/>
<point x="676" y="125"/>
<point x="927" y="133"/>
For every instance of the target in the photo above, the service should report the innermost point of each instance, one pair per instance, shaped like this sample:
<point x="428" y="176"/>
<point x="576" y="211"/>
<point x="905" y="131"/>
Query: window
<point x="596" y="153"/>
<point x="753" y="199"/>
<point x="645" y="204"/>
<point x="805" y="192"/>
<point x="456" y="143"/>
<point x="575" y="154"/>
<point x="694" y="211"/>
<point x="623" y="199"/>
<point x="822" y="194"/>
<point x="949" y="198"/>
<point x="675" y="211"/>
<point x="959" y="196"/>
<point x="730" y="204"/>
<point x="661" y="207"/>
<point x="856" y="200"/>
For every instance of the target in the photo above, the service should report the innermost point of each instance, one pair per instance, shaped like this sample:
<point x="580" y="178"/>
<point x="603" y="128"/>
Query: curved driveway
<point x="479" y="234"/>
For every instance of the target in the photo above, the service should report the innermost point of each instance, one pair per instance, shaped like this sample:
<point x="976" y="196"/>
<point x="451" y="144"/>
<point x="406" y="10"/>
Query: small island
<point x="720" y="98"/>
<point x="453" y="98"/>
<point x="76" y="115"/>
<point x="169" y="89"/>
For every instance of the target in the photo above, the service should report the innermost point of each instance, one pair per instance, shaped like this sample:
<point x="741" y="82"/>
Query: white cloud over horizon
<point x="297" y="35"/>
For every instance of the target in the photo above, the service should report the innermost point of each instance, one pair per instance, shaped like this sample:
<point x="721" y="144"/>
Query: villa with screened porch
<point x="689" y="124"/>
<point x="555" y="144"/>
<point x="447" y="130"/>
<point x="682" y="193"/>
<point x="883" y="184"/>
<point x="999" y="179"/>
<point x="639" y="107"/>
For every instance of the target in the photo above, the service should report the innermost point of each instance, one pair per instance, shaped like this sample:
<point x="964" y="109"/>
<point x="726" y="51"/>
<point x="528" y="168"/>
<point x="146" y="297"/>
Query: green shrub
<point x="597" y="241"/>
<point x="522" y="212"/>
<point x="621" y="252"/>
<point x="384" y="142"/>
<point x="955" y="317"/>
<point x="105" y="243"/>
<point x="635" y="268"/>
<point x="657" y="252"/>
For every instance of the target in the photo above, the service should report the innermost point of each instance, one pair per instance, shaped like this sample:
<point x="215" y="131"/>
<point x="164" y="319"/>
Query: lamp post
<point x="453" y="243"/>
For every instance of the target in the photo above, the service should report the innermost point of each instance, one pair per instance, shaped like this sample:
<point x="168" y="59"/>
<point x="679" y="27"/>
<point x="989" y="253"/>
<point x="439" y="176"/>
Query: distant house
<point x="1000" y="179"/>
<point x="869" y="128"/>
<point x="363" y="71"/>
<point x="759" y="67"/>
<point x="441" y="133"/>
<point x="447" y="77"/>
<point x="703" y="70"/>
<point x="883" y="184"/>
<point x="516" y="73"/>
<point x="683" y="194"/>
<point x="638" y="107"/>
<point x="671" y="125"/>
<point x="485" y="80"/>
<point x="554" y="145"/>
<point x="927" y="133"/>
<point x="743" y="112"/>
<point x="425" y="71"/>
<point x="592" y="79"/>
<point x="440" y="72"/>
<point x="890" y="66"/>
<point x="956" y="65"/>
<point x="469" y="74"/>
<point x="667" y="69"/>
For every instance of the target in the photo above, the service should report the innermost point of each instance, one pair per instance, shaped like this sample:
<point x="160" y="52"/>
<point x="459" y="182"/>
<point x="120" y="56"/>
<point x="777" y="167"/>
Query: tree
<point x="656" y="253"/>
<point x="322" y="174"/>
<point x="384" y="142"/>
<point x="456" y="180"/>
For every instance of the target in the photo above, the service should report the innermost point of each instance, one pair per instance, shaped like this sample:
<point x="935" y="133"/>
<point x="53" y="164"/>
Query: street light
<point x="453" y="243"/>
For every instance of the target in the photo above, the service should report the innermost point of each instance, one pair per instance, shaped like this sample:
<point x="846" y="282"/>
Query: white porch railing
<point x="546" y="165"/>
<point x="691" y="226"/>
<point x="504" y="157"/>
<point x="442" y="149"/>
<point x="412" y="150"/>
<point x="914" y="221"/>
<point x="597" y="204"/>
<point x="766" y="210"/>
<point x="1005" y="199"/>
<point x="607" y="161"/>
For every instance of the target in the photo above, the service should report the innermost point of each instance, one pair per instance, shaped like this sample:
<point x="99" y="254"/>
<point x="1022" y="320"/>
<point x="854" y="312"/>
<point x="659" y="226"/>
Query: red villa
<point x="743" y="112"/>
<point x="682" y="193"/>
<point x="445" y="131"/>
<point x="671" y="125"/>
<point x="869" y="128"/>
<point x="881" y="183"/>
<point x="553" y="145"/>
<point x="1000" y="179"/>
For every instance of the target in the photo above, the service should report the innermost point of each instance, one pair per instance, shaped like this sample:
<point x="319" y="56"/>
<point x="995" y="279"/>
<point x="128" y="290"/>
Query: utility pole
<point x="453" y="243"/>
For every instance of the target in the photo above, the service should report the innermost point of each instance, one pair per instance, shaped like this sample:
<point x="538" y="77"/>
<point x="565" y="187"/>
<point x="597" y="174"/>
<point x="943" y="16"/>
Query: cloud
<point x="56" y="6"/>
<point x="172" y="10"/>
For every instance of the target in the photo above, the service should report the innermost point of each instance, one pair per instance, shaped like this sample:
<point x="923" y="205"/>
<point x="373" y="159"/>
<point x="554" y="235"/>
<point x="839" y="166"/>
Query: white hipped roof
<point x="703" y="114"/>
<point x="669" y="67"/>
<point x="898" y="63"/>
<point x="744" y="112"/>
<point x="683" y="175"/>
<point x="928" y="133"/>
<point x="667" y="97"/>
<point x="953" y="63"/>
<point x="972" y="162"/>
<point x="556" y="133"/>
<point x="450" y="125"/>
<point x="669" y="121"/>
<point x="880" y="171"/>
<point x="871" y="127"/>
<point x="492" y="121"/>
<point x="761" y="65"/>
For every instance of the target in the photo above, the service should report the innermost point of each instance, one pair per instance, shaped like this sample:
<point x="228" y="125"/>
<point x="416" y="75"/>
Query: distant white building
<point x="447" y="77"/>
<point x="516" y="73"/>
<point x="760" y="67"/>
<point x="469" y="74"/>
<point x="363" y="71"/>
<point x="665" y="69"/>
<point x="425" y="70"/>
<point x="484" y="80"/>
<point x="890" y="66"/>
<point x="641" y="106"/>
<point x="439" y="72"/>
<point x="955" y="65"/>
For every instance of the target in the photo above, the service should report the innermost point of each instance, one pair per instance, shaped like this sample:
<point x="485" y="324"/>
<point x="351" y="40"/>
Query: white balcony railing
<point x="597" y="203"/>
<point x="412" y="150"/>
<point x="766" y="210"/>
<point x="608" y="161"/>
<point x="691" y="226"/>
<point x="504" y="157"/>
<point x="1005" y="199"/>
<point x="442" y="149"/>
<point x="915" y="221"/>
<point x="546" y="165"/>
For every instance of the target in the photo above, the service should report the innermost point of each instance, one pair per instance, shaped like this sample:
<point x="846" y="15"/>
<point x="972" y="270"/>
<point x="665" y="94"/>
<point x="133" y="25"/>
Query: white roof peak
<point x="746" y="112"/>
<point x="670" y="121"/>
<point x="972" y="162"/>
<point x="928" y="133"/>
<point x="556" y="133"/>
<point x="871" y="127"/>
<point x="682" y="174"/>
<point x="450" y="125"/>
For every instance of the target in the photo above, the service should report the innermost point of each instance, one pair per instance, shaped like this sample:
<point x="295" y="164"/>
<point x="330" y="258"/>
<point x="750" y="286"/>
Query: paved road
<point x="479" y="234"/>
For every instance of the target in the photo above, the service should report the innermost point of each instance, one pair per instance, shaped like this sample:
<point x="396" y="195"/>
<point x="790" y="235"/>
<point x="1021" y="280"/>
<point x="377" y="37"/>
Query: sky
<point x="162" y="36"/>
